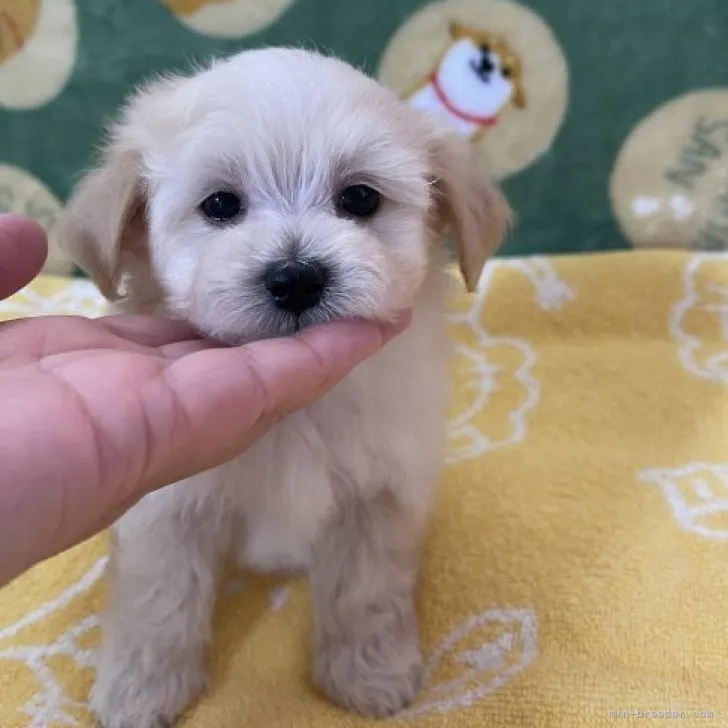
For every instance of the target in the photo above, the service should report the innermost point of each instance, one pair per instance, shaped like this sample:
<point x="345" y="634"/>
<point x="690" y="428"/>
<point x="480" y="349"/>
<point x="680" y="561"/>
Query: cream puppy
<point x="271" y="191"/>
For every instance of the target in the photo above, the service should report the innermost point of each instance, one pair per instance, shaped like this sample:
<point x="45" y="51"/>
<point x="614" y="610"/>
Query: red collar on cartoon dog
<point x="464" y="115"/>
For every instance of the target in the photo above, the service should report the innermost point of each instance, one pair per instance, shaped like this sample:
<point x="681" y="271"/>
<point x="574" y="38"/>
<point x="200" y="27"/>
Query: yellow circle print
<point x="38" y="41"/>
<point x="23" y="193"/>
<point x="227" y="18"/>
<point x="669" y="186"/>
<point x="489" y="70"/>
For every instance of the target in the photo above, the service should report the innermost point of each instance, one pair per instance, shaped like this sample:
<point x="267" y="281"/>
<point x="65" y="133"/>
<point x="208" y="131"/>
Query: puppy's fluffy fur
<point x="341" y="489"/>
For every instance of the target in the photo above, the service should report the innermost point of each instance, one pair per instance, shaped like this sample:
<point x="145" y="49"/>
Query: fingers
<point x="224" y="399"/>
<point x="65" y="337"/>
<point x="296" y="371"/>
<point x="149" y="330"/>
<point x="23" y="250"/>
<point x="49" y="335"/>
<point x="179" y="349"/>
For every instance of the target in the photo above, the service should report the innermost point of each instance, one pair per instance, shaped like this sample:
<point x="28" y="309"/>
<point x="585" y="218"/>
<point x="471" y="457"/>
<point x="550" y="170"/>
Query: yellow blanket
<point x="577" y="571"/>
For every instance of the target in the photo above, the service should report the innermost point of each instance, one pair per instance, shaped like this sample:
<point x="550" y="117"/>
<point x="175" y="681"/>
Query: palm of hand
<point x="108" y="397"/>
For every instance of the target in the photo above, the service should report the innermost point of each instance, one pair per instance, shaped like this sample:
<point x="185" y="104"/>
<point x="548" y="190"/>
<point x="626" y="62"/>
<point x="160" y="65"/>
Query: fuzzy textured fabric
<point x="576" y="570"/>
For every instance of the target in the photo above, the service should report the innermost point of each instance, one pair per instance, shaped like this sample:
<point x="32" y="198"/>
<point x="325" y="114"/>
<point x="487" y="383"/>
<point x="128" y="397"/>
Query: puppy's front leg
<point x="162" y="577"/>
<point x="367" y="655"/>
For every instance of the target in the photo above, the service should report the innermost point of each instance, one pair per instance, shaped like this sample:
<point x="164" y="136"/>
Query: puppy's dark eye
<point x="358" y="201"/>
<point x="506" y="72"/>
<point x="221" y="206"/>
<point x="485" y="49"/>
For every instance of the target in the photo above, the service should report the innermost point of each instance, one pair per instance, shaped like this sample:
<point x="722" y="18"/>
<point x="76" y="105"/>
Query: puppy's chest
<point x="369" y="433"/>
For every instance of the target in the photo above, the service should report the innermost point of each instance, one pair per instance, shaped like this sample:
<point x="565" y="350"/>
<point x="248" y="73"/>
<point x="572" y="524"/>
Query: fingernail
<point x="396" y="326"/>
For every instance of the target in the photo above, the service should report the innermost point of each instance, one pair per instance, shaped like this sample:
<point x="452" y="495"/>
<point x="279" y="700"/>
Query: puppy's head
<point x="274" y="190"/>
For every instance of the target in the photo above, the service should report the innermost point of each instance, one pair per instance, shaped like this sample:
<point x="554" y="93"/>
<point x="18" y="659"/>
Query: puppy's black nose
<point x="296" y="286"/>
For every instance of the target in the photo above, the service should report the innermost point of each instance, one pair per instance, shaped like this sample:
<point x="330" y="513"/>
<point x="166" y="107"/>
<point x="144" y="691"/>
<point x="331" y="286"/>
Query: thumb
<point x="23" y="250"/>
<point x="230" y="397"/>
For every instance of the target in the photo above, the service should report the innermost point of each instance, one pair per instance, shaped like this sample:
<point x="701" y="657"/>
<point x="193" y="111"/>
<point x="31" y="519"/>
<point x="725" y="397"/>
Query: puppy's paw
<point x="129" y="696"/>
<point x="376" y="675"/>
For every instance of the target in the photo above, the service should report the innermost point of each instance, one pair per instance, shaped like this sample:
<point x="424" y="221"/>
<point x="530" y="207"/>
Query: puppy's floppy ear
<point x="469" y="204"/>
<point x="104" y="220"/>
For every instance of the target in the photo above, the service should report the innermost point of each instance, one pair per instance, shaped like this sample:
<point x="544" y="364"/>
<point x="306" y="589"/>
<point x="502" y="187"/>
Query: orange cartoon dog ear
<point x="457" y="30"/>
<point x="519" y="96"/>
<point x="185" y="7"/>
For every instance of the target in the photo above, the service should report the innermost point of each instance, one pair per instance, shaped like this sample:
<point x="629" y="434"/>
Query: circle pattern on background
<point x="669" y="186"/>
<point x="511" y="121"/>
<point x="38" y="40"/>
<point x="23" y="193"/>
<point x="227" y="18"/>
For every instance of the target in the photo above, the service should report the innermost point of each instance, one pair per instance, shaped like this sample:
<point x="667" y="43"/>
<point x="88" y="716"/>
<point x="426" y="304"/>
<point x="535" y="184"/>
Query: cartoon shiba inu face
<point x="475" y="79"/>
<point x="492" y="73"/>
<point x="485" y="67"/>
<point x="18" y="19"/>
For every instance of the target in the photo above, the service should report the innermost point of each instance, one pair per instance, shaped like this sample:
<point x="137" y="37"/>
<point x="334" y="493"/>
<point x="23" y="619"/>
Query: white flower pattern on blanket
<point x="51" y="705"/>
<point x="698" y="496"/>
<point x="478" y="657"/>
<point x="703" y="306"/>
<point x="490" y="366"/>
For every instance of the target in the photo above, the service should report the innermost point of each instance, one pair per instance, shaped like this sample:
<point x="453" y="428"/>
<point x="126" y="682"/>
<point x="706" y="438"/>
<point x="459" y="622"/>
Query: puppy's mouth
<point x="284" y="302"/>
<point x="267" y="321"/>
<point x="298" y="293"/>
<point x="311" y="319"/>
<point x="324" y="312"/>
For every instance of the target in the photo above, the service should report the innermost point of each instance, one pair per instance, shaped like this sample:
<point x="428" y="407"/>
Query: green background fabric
<point x="625" y="58"/>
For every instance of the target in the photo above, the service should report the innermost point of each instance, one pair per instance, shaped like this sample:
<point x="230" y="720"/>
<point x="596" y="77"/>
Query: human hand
<point x="96" y="413"/>
<point x="23" y="250"/>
